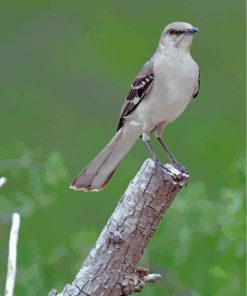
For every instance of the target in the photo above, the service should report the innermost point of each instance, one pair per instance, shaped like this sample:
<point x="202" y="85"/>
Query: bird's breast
<point x="174" y="84"/>
<point x="175" y="80"/>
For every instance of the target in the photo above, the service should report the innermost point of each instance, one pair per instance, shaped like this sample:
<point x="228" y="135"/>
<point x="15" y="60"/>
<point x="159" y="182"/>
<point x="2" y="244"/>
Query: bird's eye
<point x="172" y="32"/>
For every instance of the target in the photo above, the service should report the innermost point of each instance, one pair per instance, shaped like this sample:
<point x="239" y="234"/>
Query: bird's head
<point x="179" y="35"/>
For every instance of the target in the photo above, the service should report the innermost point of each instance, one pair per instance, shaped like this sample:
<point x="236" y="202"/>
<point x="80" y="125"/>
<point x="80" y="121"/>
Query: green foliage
<point x="199" y="247"/>
<point x="32" y="181"/>
<point x="33" y="184"/>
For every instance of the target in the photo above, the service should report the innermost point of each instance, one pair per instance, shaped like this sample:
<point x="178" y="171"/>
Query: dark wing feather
<point x="198" y="86"/>
<point x="140" y="87"/>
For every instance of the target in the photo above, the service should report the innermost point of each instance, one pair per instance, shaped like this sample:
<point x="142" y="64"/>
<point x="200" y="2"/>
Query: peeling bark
<point x="111" y="267"/>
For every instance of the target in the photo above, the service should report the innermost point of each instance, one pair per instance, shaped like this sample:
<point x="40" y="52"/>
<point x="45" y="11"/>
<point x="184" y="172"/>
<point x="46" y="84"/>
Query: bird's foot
<point x="157" y="163"/>
<point x="180" y="167"/>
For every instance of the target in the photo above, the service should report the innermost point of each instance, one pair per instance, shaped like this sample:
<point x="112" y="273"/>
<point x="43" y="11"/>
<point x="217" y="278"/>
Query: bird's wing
<point x="198" y="87"/>
<point x="140" y="87"/>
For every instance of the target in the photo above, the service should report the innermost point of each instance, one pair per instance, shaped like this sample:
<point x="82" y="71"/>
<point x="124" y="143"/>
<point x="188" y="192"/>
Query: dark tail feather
<point x="98" y="173"/>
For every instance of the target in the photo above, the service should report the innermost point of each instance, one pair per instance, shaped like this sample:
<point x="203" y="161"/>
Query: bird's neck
<point x="180" y="45"/>
<point x="171" y="50"/>
<point x="185" y="43"/>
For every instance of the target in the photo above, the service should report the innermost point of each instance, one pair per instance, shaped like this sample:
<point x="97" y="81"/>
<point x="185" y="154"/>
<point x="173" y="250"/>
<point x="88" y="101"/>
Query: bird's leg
<point x="146" y="140"/>
<point x="171" y="157"/>
<point x="177" y="165"/>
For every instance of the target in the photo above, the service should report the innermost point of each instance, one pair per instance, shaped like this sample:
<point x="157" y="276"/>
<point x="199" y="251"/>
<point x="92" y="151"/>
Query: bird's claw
<point x="157" y="163"/>
<point x="180" y="167"/>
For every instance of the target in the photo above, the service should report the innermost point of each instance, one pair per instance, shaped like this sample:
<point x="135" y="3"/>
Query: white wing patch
<point x="138" y="90"/>
<point x="136" y="100"/>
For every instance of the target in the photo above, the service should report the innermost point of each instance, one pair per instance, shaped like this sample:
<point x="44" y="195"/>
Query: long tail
<point x="97" y="174"/>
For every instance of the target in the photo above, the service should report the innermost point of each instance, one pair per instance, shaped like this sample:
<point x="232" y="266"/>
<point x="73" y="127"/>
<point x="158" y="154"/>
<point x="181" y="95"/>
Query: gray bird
<point x="159" y="94"/>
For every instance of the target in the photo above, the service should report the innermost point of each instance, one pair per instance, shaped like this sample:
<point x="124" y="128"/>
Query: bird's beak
<point x="192" y="30"/>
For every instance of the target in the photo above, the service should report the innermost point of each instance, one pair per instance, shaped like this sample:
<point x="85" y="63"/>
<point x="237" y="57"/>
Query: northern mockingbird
<point x="159" y="94"/>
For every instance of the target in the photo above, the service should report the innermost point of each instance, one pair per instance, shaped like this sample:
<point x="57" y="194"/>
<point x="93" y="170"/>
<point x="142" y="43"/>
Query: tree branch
<point x="11" y="271"/>
<point x="3" y="180"/>
<point x="111" y="267"/>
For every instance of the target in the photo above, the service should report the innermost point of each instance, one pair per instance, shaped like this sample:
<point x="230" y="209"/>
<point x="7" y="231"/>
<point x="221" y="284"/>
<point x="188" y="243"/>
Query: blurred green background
<point x="65" y="69"/>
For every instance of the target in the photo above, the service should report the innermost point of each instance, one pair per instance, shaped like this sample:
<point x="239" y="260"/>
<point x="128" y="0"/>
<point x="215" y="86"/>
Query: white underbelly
<point x="162" y="105"/>
<point x="170" y="99"/>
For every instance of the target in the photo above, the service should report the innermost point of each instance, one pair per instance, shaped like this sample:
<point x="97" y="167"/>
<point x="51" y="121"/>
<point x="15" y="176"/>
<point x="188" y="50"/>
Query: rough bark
<point x="111" y="267"/>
